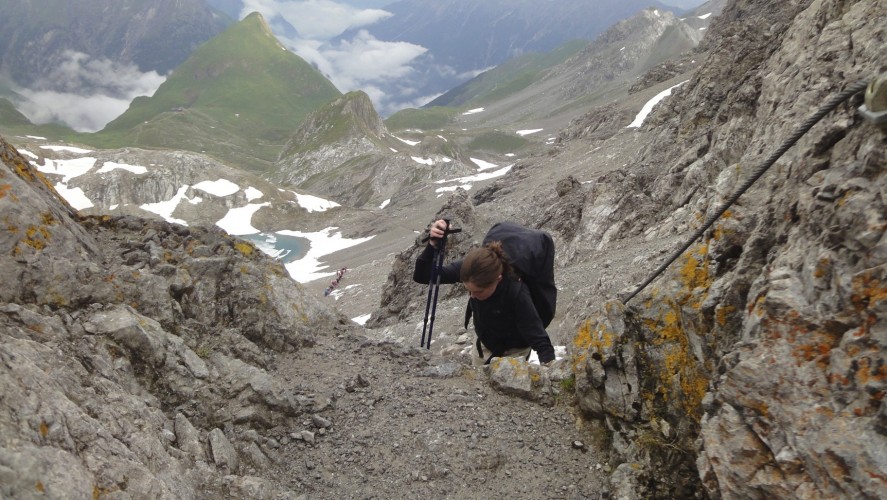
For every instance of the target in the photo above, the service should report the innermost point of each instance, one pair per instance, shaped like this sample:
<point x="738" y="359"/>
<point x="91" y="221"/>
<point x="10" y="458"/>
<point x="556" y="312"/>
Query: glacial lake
<point x="283" y="248"/>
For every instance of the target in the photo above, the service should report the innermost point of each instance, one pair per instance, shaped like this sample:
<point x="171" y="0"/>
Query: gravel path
<point x="402" y="423"/>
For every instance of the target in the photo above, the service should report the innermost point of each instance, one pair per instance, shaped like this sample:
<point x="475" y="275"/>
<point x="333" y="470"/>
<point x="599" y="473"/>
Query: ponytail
<point x="483" y="265"/>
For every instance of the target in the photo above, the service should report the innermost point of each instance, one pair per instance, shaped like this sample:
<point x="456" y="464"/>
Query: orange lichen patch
<point x="36" y="237"/>
<point x="582" y="339"/>
<point x="678" y="361"/>
<point x="244" y="248"/>
<point x="21" y="168"/>
<point x="98" y="492"/>
<point x="809" y="343"/>
<point x="694" y="275"/>
<point x="868" y="373"/>
<point x="722" y="315"/>
<point x="692" y="380"/>
<point x="823" y="266"/>
<point x="757" y="405"/>
<point x="811" y="352"/>
<point x="4" y="188"/>
<point x="825" y="410"/>
<point x="39" y="488"/>
<point x="868" y="289"/>
<point x="48" y="219"/>
<point x="44" y="429"/>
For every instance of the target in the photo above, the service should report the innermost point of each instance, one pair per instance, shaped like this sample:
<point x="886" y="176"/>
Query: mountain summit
<point x="238" y="97"/>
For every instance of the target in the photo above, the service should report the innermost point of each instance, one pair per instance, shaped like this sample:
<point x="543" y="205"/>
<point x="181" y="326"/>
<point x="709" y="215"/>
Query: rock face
<point x="191" y="188"/>
<point x="629" y="47"/>
<point x="344" y="151"/>
<point x="760" y="354"/>
<point x="120" y="324"/>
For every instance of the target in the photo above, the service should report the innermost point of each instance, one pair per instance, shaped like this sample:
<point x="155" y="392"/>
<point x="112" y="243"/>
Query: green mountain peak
<point x="239" y="97"/>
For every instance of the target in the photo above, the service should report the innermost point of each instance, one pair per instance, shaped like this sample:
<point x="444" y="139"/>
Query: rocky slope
<point x="604" y="71"/>
<point x="345" y="152"/>
<point x="755" y="367"/>
<point x="142" y="359"/>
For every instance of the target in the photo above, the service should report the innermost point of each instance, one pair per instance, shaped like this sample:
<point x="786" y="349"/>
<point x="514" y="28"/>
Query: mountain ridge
<point x="255" y="88"/>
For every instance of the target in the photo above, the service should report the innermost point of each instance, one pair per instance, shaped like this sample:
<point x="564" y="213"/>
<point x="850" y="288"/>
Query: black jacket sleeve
<point x="529" y="326"/>
<point x="422" y="273"/>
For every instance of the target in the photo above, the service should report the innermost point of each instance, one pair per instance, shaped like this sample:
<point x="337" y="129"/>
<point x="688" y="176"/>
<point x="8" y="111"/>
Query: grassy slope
<point x="491" y="86"/>
<point x="238" y="97"/>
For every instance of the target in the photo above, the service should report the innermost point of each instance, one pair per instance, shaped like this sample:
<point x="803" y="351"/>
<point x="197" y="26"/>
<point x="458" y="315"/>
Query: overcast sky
<point x="361" y="63"/>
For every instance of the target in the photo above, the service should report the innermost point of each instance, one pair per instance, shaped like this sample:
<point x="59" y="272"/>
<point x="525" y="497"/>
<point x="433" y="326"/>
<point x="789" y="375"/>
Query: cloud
<point x="363" y="63"/>
<point x="365" y="58"/>
<point x="381" y="69"/>
<point x="316" y="19"/>
<point x="86" y="93"/>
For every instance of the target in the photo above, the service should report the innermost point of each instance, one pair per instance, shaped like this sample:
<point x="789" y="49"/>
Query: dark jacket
<point x="506" y="320"/>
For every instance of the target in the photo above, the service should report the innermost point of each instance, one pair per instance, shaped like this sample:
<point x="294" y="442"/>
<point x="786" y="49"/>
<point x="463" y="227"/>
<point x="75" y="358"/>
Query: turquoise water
<point x="284" y="248"/>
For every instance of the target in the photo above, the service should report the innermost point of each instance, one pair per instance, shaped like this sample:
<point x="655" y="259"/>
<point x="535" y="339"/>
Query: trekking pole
<point x="434" y="284"/>
<point x="431" y="285"/>
<point x="439" y="265"/>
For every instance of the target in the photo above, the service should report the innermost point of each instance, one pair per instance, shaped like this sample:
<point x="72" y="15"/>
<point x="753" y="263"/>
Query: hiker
<point x="505" y="319"/>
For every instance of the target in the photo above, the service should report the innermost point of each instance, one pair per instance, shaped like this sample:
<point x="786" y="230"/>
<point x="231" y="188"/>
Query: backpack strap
<point x="467" y="314"/>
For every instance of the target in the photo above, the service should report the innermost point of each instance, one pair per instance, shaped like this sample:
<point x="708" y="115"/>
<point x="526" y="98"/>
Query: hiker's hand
<point x="436" y="232"/>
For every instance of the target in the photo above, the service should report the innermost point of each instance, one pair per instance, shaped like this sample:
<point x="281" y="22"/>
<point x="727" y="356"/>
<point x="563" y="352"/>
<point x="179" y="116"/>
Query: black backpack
<point x="531" y="255"/>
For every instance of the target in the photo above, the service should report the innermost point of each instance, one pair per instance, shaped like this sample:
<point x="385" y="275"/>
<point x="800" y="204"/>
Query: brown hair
<point x="483" y="265"/>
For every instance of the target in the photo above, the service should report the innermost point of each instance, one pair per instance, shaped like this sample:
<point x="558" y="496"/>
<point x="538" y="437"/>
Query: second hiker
<point x="505" y="319"/>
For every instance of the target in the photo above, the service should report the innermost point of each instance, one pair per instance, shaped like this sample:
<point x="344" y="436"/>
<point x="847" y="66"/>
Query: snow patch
<point x="529" y="131"/>
<point x="361" y="320"/>
<point x="74" y="196"/>
<point x="68" y="149"/>
<point x="253" y="193"/>
<point x="220" y="188"/>
<point x="648" y="107"/>
<point x="314" y="204"/>
<point x="323" y="242"/>
<point x="405" y="141"/>
<point x="238" y="221"/>
<point x="483" y="165"/>
<point x="166" y="208"/>
<point x="110" y="165"/>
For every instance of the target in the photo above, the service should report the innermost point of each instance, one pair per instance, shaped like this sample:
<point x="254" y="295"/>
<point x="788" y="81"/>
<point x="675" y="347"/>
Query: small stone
<point x="308" y="437"/>
<point x="320" y="422"/>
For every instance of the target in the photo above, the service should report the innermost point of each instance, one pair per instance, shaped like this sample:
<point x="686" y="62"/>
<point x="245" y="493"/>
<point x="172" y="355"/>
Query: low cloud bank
<point x="86" y="93"/>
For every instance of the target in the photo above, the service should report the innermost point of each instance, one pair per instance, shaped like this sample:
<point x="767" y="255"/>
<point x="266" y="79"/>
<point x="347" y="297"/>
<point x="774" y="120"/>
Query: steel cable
<point x="823" y="110"/>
